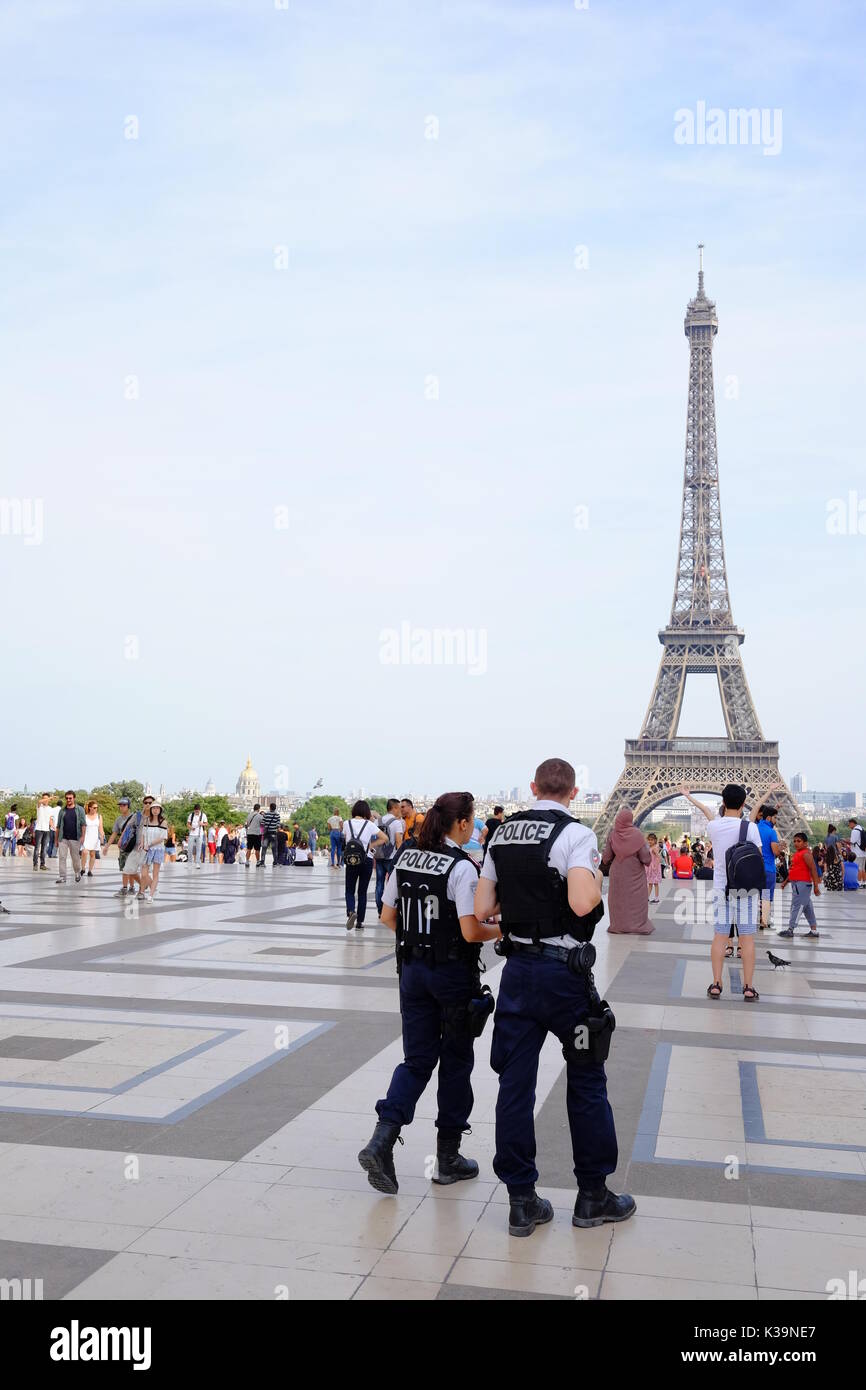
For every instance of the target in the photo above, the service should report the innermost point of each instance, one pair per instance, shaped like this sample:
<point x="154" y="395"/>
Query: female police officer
<point x="428" y="901"/>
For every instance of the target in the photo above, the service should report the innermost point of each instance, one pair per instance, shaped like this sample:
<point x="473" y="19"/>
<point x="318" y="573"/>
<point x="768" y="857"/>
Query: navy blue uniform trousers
<point x="423" y="990"/>
<point x="539" y="995"/>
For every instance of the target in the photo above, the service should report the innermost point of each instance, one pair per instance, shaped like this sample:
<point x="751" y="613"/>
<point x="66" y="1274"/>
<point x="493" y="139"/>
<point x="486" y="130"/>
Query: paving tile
<point x="683" y="1250"/>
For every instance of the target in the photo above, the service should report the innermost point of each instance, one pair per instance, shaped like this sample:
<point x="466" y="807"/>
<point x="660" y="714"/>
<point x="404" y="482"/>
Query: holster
<point x="592" y="1038"/>
<point x="468" y="1019"/>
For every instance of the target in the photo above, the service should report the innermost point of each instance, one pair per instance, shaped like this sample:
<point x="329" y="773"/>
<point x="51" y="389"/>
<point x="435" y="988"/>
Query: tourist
<point x="70" y="835"/>
<point x="724" y="833"/>
<point x="253" y="826"/>
<point x="851" y="878"/>
<point x="296" y="835"/>
<point x="361" y="836"/>
<point x="42" y="832"/>
<point x="196" y="826"/>
<point x="335" y="829"/>
<point x="820" y="860"/>
<point x="241" y="832"/>
<point x="122" y="820"/>
<point x="270" y="826"/>
<point x="94" y="837"/>
<point x="25" y="837"/>
<point x="654" y="867"/>
<point x="171" y="845"/>
<point x="772" y="846"/>
<point x="626" y="856"/>
<point x="683" y="863"/>
<point x="383" y="855"/>
<point x="283" y="845"/>
<point x="438" y="956"/>
<point x="10" y="831"/>
<point x="831" y="879"/>
<point x="313" y="838"/>
<point x="803" y="878"/>
<point x="154" y="833"/>
<point x="857" y="845"/>
<point x="664" y="856"/>
<point x="491" y="824"/>
<point x="303" y="853"/>
<point x="409" y="816"/>
<point x="211" y="844"/>
<point x="229" y="845"/>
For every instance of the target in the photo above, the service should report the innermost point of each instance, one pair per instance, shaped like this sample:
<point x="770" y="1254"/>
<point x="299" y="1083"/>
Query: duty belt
<point x="558" y="952"/>
<point x="426" y="953"/>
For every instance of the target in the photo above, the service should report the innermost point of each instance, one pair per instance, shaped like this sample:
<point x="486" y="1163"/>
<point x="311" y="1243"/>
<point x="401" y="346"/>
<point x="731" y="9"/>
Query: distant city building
<point x="837" y="801"/>
<point x="210" y="789"/>
<point x="798" y="783"/>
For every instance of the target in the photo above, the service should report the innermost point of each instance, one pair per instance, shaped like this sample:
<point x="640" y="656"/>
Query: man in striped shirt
<point x="270" y="826"/>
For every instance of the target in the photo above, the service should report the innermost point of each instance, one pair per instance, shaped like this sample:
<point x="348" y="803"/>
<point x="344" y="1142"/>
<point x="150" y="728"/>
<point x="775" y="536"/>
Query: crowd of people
<point x="536" y="894"/>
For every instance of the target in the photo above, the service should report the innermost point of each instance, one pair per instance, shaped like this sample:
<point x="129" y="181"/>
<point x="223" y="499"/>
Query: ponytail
<point x="446" y="809"/>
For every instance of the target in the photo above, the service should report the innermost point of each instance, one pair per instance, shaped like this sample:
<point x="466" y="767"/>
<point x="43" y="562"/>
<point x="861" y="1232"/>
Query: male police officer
<point x="541" y="871"/>
<point x="441" y="1001"/>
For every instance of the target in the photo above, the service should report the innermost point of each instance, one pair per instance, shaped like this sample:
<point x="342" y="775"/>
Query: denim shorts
<point x="155" y="855"/>
<point x="739" y="909"/>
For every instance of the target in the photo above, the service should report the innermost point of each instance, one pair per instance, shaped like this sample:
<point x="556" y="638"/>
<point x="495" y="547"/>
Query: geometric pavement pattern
<point x="184" y="1088"/>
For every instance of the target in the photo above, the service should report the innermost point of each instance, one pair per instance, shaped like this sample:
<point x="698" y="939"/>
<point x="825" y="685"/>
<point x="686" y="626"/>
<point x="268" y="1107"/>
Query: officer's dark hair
<point x="446" y="809"/>
<point x="734" y="796"/>
<point x="497" y="810"/>
<point x="361" y="808"/>
<point x="392" y="801"/>
<point x="555" y="776"/>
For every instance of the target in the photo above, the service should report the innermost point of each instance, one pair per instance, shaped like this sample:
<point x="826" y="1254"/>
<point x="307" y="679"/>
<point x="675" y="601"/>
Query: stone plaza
<point x="184" y="1087"/>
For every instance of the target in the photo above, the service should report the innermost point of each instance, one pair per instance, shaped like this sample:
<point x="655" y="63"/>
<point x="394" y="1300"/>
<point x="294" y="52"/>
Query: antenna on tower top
<point x="701" y="268"/>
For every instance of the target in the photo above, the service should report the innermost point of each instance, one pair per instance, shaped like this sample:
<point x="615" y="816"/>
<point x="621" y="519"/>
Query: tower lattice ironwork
<point x="701" y="637"/>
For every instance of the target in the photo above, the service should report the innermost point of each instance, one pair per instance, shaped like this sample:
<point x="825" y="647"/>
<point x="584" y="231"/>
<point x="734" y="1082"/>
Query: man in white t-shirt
<point x="386" y="854"/>
<point x="196" y="823"/>
<point x="858" y="848"/>
<point x="723" y="830"/>
<point x="46" y="818"/>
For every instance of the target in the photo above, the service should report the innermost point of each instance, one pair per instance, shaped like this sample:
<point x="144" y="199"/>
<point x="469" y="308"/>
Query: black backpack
<point x="744" y="864"/>
<point x="354" y="854"/>
<point x="385" y="851"/>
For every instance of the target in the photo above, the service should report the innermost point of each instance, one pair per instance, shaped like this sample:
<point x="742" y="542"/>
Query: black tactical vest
<point x="534" y="897"/>
<point x="426" y="916"/>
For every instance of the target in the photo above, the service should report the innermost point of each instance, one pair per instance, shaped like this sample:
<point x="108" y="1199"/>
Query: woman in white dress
<point x="154" y="833"/>
<point x="94" y="838"/>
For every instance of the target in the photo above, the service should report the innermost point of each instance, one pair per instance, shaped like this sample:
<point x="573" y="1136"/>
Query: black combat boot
<point x="594" y="1208"/>
<point x="450" y="1165"/>
<point x="377" y="1158"/>
<point x="527" y="1211"/>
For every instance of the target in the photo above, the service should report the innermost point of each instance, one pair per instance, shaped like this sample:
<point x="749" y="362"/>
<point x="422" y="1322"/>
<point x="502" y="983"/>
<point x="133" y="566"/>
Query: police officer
<point x="541" y="872"/>
<point x="428" y="902"/>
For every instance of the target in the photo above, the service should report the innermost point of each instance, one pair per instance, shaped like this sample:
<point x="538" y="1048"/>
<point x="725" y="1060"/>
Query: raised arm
<point x="704" y="810"/>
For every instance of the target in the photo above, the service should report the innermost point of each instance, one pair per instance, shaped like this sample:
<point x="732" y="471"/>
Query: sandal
<point x="750" y="994"/>
<point x="729" y="951"/>
<point x="715" y="990"/>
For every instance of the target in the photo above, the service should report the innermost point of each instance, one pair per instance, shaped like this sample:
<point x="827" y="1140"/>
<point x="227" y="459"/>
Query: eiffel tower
<point x="701" y="636"/>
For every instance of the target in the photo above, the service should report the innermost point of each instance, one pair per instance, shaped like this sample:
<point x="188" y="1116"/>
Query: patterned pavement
<point x="184" y="1088"/>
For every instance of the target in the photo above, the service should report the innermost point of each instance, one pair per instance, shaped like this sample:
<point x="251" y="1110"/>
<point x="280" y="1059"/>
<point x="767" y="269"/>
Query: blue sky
<point x="305" y="389"/>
